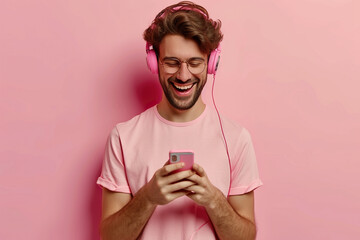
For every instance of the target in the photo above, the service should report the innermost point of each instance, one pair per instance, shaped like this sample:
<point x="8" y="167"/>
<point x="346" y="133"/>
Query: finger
<point x="175" y="177"/>
<point x="165" y="170"/>
<point x="195" y="189"/>
<point x="196" y="179"/>
<point x="193" y="196"/>
<point x="177" y="194"/>
<point x="199" y="170"/>
<point x="179" y="186"/>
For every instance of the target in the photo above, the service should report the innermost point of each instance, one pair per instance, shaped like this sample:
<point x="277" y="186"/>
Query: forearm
<point x="227" y="223"/>
<point x="129" y="221"/>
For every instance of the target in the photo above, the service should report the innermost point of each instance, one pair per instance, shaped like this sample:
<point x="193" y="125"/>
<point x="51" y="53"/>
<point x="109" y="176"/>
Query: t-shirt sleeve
<point x="245" y="174"/>
<point x="113" y="175"/>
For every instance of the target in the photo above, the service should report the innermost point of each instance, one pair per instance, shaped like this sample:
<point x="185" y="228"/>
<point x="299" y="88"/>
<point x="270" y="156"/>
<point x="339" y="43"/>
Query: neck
<point x="167" y="111"/>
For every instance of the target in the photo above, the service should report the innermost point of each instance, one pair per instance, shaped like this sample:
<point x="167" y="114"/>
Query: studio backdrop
<point x="71" y="70"/>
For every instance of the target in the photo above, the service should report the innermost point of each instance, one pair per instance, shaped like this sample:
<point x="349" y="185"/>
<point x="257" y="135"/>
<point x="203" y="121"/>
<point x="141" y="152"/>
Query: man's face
<point x="183" y="88"/>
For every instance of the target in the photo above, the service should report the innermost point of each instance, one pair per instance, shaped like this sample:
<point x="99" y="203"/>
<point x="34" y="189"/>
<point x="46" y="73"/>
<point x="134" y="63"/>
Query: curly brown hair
<point x="188" y="20"/>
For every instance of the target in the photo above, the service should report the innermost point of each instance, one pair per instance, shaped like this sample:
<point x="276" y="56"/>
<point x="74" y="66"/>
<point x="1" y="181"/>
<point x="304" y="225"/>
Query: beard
<point x="183" y="102"/>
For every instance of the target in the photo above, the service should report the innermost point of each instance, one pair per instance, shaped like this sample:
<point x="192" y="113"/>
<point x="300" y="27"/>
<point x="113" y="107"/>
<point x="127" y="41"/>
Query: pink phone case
<point x="185" y="156"/>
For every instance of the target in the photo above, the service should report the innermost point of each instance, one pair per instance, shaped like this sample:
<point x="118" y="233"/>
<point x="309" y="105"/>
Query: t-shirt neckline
<point x="179" y="124"/>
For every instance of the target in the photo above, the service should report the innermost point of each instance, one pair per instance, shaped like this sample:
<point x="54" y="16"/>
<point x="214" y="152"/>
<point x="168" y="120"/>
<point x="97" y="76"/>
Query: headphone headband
<point x="179" y="8"/>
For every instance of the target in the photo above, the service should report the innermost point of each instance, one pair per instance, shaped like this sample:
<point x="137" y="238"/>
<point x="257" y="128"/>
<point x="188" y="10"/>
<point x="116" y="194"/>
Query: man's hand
<point x="231" y="221"/>
<point x="202" y="192"/>
<point x="165" y="187"/>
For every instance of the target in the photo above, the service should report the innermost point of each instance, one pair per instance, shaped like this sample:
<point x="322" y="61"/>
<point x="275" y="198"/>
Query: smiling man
<point x="146" y="197"/>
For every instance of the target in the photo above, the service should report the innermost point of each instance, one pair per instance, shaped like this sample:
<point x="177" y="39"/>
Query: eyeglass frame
<point x="180" y="62"/>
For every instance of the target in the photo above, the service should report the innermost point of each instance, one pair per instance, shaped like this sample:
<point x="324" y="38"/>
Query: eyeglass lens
<point x="194" y="65"/>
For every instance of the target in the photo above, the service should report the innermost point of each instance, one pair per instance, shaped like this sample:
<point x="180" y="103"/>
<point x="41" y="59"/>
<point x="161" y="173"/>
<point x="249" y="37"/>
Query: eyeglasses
<point x="194" y="65"/>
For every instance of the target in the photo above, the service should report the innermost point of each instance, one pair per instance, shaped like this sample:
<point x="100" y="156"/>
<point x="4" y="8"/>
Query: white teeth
<point x="183" y="87"/>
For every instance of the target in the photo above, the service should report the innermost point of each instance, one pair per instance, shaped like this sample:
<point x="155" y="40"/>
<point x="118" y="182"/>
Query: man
<point x="143" y="198"/>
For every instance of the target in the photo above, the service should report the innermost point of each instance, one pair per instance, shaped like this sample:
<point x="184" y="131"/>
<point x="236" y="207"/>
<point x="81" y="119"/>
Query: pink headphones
<point x="151" y="58"/>
<point x="152" y="62"/>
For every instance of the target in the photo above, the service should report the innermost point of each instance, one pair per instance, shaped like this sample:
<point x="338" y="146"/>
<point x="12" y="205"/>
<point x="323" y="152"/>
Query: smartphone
<point x="185" y="156"/>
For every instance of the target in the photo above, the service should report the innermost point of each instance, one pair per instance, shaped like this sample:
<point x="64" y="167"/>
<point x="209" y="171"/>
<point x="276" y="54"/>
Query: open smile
<point x="182" y="90"/>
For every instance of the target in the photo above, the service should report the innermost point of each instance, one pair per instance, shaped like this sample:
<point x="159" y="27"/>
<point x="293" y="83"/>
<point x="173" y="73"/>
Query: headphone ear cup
<point x="214" y="61"/>
<point x="151" y="61"/>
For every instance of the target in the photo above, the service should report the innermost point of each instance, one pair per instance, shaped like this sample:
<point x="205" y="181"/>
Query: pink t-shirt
<point x="137" y="148"/>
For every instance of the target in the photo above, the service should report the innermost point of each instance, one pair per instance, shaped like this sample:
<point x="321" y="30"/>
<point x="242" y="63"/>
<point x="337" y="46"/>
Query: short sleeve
<point x="113" y="175"/>
<point x="245" y="174"/>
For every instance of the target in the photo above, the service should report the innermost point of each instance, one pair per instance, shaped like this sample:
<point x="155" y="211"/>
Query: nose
<point x="184" y="74"/>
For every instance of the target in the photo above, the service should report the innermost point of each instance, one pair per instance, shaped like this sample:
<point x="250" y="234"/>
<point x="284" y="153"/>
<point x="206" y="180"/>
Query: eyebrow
<point x="190" y="59"/>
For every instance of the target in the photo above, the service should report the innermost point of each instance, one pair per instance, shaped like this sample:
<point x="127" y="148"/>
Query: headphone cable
<point x="223" y="134"/>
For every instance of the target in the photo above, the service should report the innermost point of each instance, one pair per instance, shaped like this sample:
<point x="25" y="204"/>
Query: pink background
<point x="289" y="72"/>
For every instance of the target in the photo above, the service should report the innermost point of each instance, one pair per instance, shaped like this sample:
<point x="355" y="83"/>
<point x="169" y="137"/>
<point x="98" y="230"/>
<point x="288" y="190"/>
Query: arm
<point x="124" y="217"/>
<point x="233" y="218"/>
